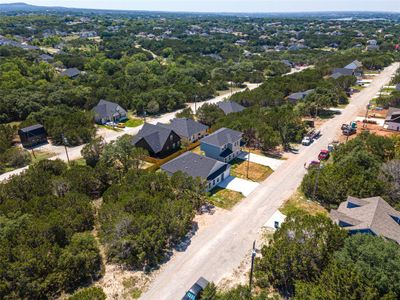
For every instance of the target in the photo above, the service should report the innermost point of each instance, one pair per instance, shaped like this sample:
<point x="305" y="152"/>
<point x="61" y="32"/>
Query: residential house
<point x="392" y="121"/>
<point x="157" y="140"/>
<point x="71" y="73"/>
<point x="339" y="72"/>
<point x="230" y="107"/>
<point x="355" y="67"/>
<point x="188" y="130"/>
<point x="106" y="111"/>
<point x="223" y="145"/>
<point x="368" y="215"/>
<point x="211" y="171"/>
<point x="45" y="58"/>
<point x="32" y="136"/>
<point x="295" y="97"/>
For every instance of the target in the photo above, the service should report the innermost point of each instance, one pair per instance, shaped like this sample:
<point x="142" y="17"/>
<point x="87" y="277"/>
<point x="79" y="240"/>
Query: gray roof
<point x="195" y="165"/>
<point x="106" y="109"/>
<point x="185" y="127"/>
<point x="230" y="107"/>
<point x="222" y="137"/>
<point x="71" y="72"/>
<point x="299" y="95"/>
<point x="369" y="213"/>
<point x="398" y="87"/>
<point x="393" y="115"/>
<point x="343" y="71"/>
<point x="354" y="65"/>
<point x="46" y="57"/>
<point x="154" y="135"/>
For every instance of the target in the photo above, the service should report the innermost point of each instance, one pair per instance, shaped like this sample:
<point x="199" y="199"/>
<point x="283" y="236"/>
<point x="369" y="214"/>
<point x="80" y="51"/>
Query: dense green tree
<point x="299" y="250"/>
<point x="92" y="293"/>
<point x="92" y="151"/>
<point x="209" y="114"/>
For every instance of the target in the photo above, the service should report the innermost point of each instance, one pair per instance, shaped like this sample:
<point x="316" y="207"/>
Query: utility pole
<point x="195" y="102"/>
<point x="366" y="116"/>
<point x="65" y="142"/>
<point x="248" y="164"/>
<point x="253" y="255"/>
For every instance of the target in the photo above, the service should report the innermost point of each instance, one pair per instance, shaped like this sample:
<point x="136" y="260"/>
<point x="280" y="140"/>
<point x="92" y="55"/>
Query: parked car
<point x="121" y="125"/>
<point x="349" y="131"/>
<point x="195" y="291"/>
<point x="306" y="141"/>
<point x="314" y="163"/>
<point x="323" y="155"/>
<point x="111" y="124"/>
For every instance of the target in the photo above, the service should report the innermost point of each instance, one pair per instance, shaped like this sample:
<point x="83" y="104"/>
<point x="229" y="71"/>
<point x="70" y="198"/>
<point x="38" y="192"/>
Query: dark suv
<point x="195" y="291"/>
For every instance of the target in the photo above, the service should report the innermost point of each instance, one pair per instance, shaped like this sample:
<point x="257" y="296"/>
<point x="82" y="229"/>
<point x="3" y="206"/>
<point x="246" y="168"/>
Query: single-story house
<point x="71" y="73"/>
<point x="106" y="111"/>
<point x="32" y="135"/>
<point x="356" y="67"/>
<point x="368" y="215"/>
<point x="275" y="221"/>
<point x="45" y="58"/>
<point x="230" y="107"/>
<point x="223" y="145"/>
<point x="157" y="140"/>
<point x="208" y="169"/>
<point x="392" y="121"/>
<point x="189" y="130"/>
<point x="339" y="72"/>
<point x="295" y="97"/>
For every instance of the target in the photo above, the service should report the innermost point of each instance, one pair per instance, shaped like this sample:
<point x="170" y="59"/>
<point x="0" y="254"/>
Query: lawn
<point x="298" y="201"/>
<point x="256" y="172"/>
<point x="134" y="122"/>
<point x="224" y="198"/>
<point x="40" y="155"/>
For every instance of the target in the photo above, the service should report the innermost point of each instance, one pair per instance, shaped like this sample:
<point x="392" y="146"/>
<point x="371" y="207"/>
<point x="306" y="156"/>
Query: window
<point x="171" y="137"/>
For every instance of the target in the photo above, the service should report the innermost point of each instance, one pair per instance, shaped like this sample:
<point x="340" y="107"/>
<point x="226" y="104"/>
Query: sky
<point x="227" y="5"/>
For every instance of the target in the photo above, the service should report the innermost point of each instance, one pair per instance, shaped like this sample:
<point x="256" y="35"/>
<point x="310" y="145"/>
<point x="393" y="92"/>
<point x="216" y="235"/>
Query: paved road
<point x="110" y="135"/>
<point x="217" y="249"/>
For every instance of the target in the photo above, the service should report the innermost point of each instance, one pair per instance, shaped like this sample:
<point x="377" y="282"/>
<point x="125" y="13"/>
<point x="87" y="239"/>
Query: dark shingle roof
<point x="222" y="136"/>
<point x="154" y="135"/>
<point x="369" y="213"/>
<point x="185" y="127"/>
<point x="195" y="165"/>
<point x="230" y="107"/>
<point x="71" y="72"/>
<point x="46" y="57"/>
<point x="106" y="109"/>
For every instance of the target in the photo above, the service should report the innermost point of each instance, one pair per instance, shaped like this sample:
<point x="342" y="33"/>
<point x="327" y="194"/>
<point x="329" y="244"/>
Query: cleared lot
<point x="273" y="163"/>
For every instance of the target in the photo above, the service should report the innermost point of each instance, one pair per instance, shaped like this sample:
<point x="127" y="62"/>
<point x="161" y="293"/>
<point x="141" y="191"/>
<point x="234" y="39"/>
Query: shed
<point x="32" y="135"/>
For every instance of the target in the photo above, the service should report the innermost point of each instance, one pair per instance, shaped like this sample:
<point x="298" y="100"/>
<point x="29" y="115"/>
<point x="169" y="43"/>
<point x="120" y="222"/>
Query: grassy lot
<point x="134" y="122"/>
<point x="40" y="155"/>
<point x="79" y="162"/>
<point x="298" y="201"/>
<point x="257" y="172"/>
<point x="224" y="198"/>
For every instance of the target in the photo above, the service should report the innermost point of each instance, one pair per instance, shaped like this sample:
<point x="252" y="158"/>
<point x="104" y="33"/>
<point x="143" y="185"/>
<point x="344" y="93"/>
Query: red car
<point x="323" y="155"/>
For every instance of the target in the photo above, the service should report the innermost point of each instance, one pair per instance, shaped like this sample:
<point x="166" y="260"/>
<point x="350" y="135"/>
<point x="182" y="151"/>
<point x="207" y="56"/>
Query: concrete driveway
<point x="273" y="163"/>
<point x="239" y="185"/>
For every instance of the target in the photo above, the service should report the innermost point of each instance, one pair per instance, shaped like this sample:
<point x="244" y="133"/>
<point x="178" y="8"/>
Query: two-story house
<point x="189" y="130"/>
<point x="223" y="145"/>
<point x="157" y="140"/>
